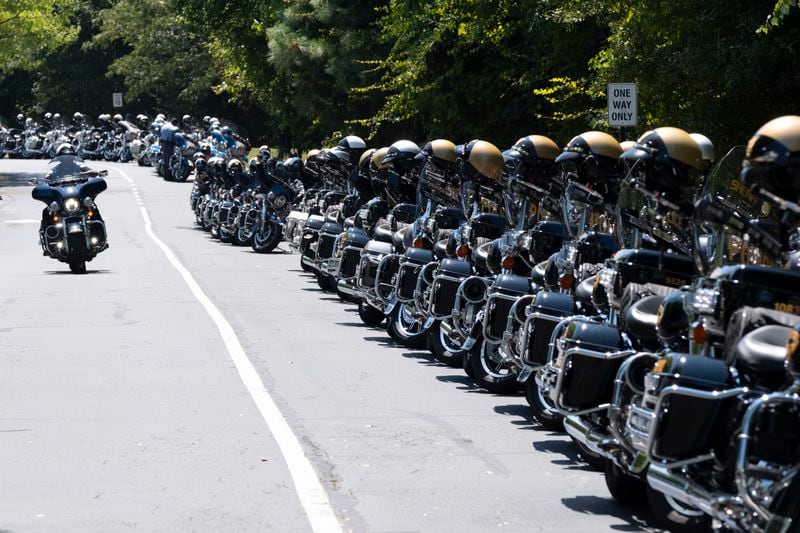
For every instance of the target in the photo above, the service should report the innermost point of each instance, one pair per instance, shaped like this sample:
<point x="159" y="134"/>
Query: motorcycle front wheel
<point x="406" y="329"/>
<point x="265" y="238"/>
<point x="77" y="266"/>
<point x="489" y="374"/>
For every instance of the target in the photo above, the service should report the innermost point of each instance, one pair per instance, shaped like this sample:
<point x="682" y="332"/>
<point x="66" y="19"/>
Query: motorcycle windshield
<point x="64" y="166"/>
<point x="47" y="193"/>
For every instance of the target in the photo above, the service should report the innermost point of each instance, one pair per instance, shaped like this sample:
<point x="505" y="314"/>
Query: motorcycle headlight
<point x="71" y="205"/>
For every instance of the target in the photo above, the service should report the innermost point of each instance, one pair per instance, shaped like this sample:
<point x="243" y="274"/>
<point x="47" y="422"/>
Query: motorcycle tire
<point x="140" y="162"/>
<point x="77" y="266"/>
<point x="369" y="315"/>
<point x="675" y="516"/>
<point x="346" y="297"/>
<point x="547" y="417"/>
<point x="405" y="330"/>
<point x="326" y="282"/>
<point x="266" y="241"/>
<point x="182" y="175"/>
<point x="466" y="364"/>
<point x="488" y="374"/>
<point x="442" y="350"/>
<point x="624" y="487"/>
<point x="225" y="235"/>
<point x="241" y="237"/>
<point x="214" y="231"/>
<point x="304" y="266"/>
<point x="598" y="462"/>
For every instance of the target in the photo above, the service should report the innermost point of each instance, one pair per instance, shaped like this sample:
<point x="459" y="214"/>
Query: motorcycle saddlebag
<point x="412" y="262"/>
<point x="588" y="375"/>
<point x="447" y="278"/>
<point x="548" y="309"/>
<point x="691" y="420"/>
<point x="502" y="296"/>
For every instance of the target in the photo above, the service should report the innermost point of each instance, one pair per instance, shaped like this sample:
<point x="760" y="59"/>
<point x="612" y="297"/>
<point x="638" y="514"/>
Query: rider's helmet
<point x="206" y="121"/>
<point x="56" y="118"/>
<point x="376" y="163"/>
<point x="226" y="130"/>
<point x="186" y="120"/>
<point x="263" y="152"/>
<point x="161" y="117"/>
<point x="667" y="162"/>
<point x="401" y="156"/>
<point x="117" y="118"/>
<point x="592" y="159"/>
<point x="535" y="161"/>
<point x="29" y="122"/>
<point x="65" y="149"/>
<point x="441" y="153"/>
<point x="255" y="165"/>
<point x="354" y="146"/>
<point x="235" y="165"/>
<point x="480" y="161"/>
<point x="706" y="150"/>
<point x="102" y="118"/>
<point x="77" y="118"/>
<point x="772" y="159"/>
<point x="48" y="118"/>
<point x="21" y="118"/>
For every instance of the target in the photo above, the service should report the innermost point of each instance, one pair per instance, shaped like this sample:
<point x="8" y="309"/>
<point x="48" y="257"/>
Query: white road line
<point x="308" y="486"/>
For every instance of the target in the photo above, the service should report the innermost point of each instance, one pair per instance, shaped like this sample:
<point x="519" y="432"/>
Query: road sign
<point x="622" y="104"/>
<point x="117" y="99"/>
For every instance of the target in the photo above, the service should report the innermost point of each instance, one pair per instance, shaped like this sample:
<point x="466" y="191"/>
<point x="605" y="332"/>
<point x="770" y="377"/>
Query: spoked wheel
<point x="77" y="266"/>
<point x="676" y="516"/>
<point x="443" y="348"/>
<point x="405" y="328"/>
<point x="542" y="409"/>
<point x="489" y="372"/>
<point x="266" y="238"/>
<point x="369" y="315"/>
<point x="241" y="236"/>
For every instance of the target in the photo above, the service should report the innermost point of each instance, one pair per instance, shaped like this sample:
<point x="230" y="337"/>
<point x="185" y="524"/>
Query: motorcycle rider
<point x="167" y="142"/>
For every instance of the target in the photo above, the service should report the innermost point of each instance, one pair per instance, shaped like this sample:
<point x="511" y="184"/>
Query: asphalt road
<point x="121" y="408"/>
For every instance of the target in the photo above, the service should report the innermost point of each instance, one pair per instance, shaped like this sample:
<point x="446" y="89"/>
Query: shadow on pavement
<point x="636" y="518"/>
<point x="59" y="272"/>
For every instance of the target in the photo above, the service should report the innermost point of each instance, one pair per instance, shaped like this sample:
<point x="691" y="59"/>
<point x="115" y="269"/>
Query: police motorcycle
<point x="13" y="140"/>
<point x="261" y="221"/>
<point x="35" y="138"/>
<point x="304" y="204"/>
<point x="139" y="146"/>
<point x="378" y="263"/>
<point x="216" y="183"/>
<point x="89" y="139"/>
<point x="438" y="201"/>
<point x="72" y="230"/>
<point x="717" y="417"/>
<point x="456" y="287"/>
<point x="180" y="164"/>
<point x="201" y="185"/>
<point x="56" y="136"/>
<point x="236" y="181"/>
<point x="531" y="198"/>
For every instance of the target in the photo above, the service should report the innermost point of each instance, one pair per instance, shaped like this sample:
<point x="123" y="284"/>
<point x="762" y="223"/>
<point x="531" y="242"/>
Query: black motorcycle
<point x="72" y="229"/>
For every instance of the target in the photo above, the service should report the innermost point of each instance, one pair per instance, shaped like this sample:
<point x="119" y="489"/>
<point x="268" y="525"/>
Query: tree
<point x="31" y="29"/>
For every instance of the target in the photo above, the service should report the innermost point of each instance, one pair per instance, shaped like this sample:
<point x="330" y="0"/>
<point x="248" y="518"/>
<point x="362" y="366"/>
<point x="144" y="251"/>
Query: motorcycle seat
<point x="640" y="318"/>
<point x="480" y="256"/>
<point x="583" y="292"/>
<point x="763" y="350"/>
<point x="440" y="249"/>
<point x="398" y="238"/>
<point x="383" y="233"/>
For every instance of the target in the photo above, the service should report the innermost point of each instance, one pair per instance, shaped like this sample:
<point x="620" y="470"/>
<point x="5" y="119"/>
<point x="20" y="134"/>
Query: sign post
<point x="116" y="99"/>
<point x="623" y="106"/>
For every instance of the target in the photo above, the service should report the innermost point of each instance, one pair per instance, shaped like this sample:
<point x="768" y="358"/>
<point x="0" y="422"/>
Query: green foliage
<point x="31" y="29"/>
<point x="781" y="10"/>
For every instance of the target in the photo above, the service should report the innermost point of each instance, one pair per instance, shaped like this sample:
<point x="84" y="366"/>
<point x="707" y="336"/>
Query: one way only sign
<point x="622" y="104"/>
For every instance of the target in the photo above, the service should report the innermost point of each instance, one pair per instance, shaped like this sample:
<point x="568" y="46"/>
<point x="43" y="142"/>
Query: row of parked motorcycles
<point x="112" y="138"/>
<point x="644" y="297"/>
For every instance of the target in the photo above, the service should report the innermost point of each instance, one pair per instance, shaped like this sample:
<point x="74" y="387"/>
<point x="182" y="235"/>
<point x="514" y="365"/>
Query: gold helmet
<point x="312" y="153"/>
<point x="668" y="162"/>
<point x="627" y="145"/>
<point x="592" y="158"/>
<point x="480" y="160"/>
<point x="441" y="152"/>
<point x="366" y="159"/>
<point x="376" y="162"/>
<point x="533" y="159"/>
<point x="772" y="159"/>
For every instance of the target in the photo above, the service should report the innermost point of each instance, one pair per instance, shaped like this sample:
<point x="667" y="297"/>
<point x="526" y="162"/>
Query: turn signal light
<point x="55" y="218"/>
<point x="419" y="242"/>
<point x="508" y="262"/>
<point x="90" y="214"/>
<point x="462" y="250"/>
<point x="700" y="334"/>
<point x="566" y="281"/>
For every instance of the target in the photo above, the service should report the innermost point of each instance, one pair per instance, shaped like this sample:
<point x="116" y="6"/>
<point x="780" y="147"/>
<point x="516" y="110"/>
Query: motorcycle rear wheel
<point x="542" y="411"/>
<point x="676" y="516"/>
<point x="442" y="348"/>
<point x="369" y="315"/>
<point x="490" y="375"/>
<point x="405" y="329"/>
